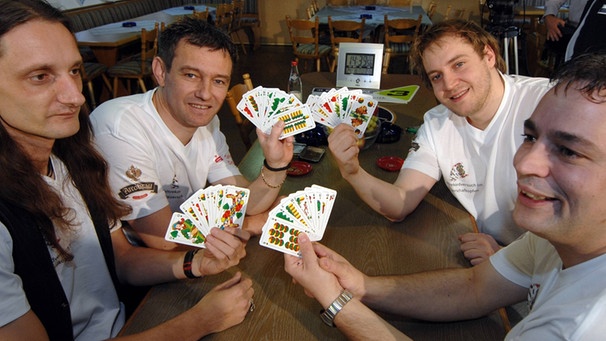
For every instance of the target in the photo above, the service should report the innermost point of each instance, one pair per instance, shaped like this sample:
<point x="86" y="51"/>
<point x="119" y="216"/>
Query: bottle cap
<point x="293" y="63"/>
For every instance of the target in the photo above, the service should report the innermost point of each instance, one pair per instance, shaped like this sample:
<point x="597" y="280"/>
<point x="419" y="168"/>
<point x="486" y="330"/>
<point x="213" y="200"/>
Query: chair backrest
<point x="303" y="31"/>
<point x="201" y="15"/>
<point x="234" y="95"/>
<point x="401" y="30"/>
<point x="149" y="47"/>
<point x="345" y="31"/>
<point x="458" y="13"/>
<point x="224" y="16"/>
<point x="237" y="12"/>
<point x="431" y="9"/>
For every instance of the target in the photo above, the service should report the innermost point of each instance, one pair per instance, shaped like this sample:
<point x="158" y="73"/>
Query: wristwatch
<point x="335" y="307"/>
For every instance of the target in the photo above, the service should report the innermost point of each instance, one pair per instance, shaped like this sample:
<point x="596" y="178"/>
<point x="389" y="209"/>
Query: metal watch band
<point x="329" y="314"/>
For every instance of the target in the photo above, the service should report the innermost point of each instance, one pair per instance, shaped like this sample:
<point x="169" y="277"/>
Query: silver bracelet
<point x="335" y="307"/>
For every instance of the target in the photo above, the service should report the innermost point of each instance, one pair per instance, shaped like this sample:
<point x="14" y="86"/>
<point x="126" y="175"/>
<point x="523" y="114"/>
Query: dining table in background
<point x="106" y="41"/>
<point x="425" y="240"/>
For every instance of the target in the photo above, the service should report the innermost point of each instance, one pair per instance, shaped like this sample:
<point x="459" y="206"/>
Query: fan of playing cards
<point x="303" y="211"/>
<point x="215" y="206"/>
<point x="351" y="107"/>
<point x="265" y="106"/>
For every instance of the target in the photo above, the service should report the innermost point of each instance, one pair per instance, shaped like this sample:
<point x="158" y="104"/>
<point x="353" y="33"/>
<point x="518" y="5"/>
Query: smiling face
<point x="41" y="87"/>
<point x="561" y="169"/>
<point x="192" y="93"/>
<point x="466" y="83"/>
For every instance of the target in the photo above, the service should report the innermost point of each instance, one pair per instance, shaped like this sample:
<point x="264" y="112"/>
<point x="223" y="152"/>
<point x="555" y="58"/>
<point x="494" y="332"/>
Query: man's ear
<point x="490" y="55"/>
<point x="159" y="70"/>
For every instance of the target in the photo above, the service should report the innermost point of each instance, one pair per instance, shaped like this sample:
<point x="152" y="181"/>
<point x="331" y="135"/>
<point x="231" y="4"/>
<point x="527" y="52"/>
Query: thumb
<point x="230" y="282"/>
<point x="307" y="250"/>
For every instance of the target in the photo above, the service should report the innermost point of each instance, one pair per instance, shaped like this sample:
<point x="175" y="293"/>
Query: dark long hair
<point x="21" y="185"/>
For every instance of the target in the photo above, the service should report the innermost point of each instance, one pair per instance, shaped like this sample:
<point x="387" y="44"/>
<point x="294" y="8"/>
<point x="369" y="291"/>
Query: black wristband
<point x="275" y="169"/>
<point x="189" y="257"/>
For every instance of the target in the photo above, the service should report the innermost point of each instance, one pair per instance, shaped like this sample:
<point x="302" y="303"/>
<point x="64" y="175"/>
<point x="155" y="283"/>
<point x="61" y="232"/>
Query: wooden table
<point x="426" y="240"/>
<point x="107" y="40"/>
<point x="377" y="14"/>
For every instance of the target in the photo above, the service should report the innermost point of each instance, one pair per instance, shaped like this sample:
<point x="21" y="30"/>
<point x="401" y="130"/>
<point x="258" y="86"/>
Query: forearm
<point x="189" y="325"/>
<point x="264" y="191"/>
<point x="427" y="296"/>
<point x="358" y="322"/>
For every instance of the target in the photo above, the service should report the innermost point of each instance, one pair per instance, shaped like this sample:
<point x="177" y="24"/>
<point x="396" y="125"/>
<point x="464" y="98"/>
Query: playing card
<point x="215" y="206"/>
<point x="303" y="211"/>
<point x="183" y="230"/>
<point x="343" y="105"/>
<point x="265" y="106"/>
<point x="281" y="237"/>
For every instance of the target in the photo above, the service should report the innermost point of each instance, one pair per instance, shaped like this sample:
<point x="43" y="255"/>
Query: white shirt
<point x="95" y="309"/>
<point x="565" y="304"/>
<point x="477" y="165"/>
<point x="149" y="167"/>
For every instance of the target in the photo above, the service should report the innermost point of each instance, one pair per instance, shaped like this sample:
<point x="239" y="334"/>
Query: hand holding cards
<point x="264" y="107"/>
<point x="343" y="106"/>
<point x="303" y="211"/>
<point x="215" y="206"/>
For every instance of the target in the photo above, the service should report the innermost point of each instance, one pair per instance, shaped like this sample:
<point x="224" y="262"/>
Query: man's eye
<point x="435" y="78"/>
<point x="567" y="152"/>
<point x="529" y="138"/>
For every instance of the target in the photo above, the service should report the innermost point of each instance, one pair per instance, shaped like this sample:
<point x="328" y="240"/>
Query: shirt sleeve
<point x="13" y="302"/>
<point x="552" y="7"/>
<point x="422" y="155"/>
<point x="516" y="261"/>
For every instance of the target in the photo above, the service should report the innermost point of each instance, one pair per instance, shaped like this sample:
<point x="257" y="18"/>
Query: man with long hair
<point x="63" y="255"/>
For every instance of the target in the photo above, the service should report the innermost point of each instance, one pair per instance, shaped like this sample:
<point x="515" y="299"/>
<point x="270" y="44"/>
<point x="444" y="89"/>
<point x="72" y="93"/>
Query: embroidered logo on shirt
<point x="533" y="292"/>
<point x="414" y="146"/>
<point x="133" y="173"/>
<point x="175" y="182"/>
<point x="457" y="172"/>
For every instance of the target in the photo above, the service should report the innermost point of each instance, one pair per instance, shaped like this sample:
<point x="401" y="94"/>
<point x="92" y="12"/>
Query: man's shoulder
<point x="524" y="83"/>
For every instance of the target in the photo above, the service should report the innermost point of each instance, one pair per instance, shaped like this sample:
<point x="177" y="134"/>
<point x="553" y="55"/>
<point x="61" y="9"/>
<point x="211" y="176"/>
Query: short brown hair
<point x="468" y="30"/>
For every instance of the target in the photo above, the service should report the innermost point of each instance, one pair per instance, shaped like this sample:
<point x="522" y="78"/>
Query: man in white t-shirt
<point x="165" y="144"/>
<point x="559" y="266"/>
<point x="469" y="140"/>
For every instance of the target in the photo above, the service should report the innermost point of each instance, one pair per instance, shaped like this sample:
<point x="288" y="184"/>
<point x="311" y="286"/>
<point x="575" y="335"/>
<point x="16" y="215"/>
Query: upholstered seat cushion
<point x="400" y="48"/>
<point x="129" y="68"/>
<point x="310" y="49"/>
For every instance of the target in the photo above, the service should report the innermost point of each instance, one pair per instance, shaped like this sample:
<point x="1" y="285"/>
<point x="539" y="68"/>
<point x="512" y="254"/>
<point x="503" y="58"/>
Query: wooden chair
<point x="304" y="36"/>
<point x="251" y="22"/>
<point x="91" y="71"/>
<point x="458" y="13"/>
<point x="236" y="27"/>
<point x="399" y="36"/>
<point x="344" y="31"/>
<point x="431" y="9"/>
<point x="139" y="67"/>
<point x="201" y="15"/>
<point x="233" y="98"/>
<point x="223" y="17"/>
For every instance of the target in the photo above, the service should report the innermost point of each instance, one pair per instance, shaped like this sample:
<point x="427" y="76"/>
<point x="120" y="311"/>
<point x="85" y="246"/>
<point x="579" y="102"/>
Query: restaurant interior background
<point x="270" y="65"/>
<point x="273" y="12"/>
